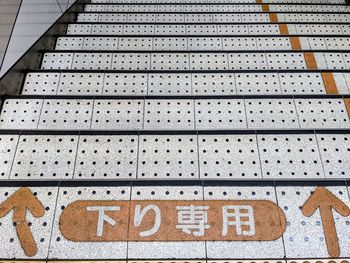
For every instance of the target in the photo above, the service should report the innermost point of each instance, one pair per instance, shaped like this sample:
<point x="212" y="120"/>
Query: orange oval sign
<point x="236" y="220"/>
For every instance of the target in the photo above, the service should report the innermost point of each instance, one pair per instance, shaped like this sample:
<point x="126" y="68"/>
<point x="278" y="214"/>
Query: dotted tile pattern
<point x="194" y="91"/>
<point x="178" y="114"/>
<point x="235" y="156"/>
<point x="169" y="84"/>
<point x="295" y="60"/>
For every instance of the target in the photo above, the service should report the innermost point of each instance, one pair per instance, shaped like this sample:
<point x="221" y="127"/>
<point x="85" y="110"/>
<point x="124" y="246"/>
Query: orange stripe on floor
<point x="265" y="8"/>
<point x="310" y="60"/>
<point x="283" y="29"/>
<point x="295" y="42"/>
<point x="329" y="83"/>
<point x="273" y="17"/>
<point x="347" y="105"/>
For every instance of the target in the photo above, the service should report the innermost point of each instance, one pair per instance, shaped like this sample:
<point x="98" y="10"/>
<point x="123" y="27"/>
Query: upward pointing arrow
<point x="326" y="201"/>
<point x="21" y="201"/>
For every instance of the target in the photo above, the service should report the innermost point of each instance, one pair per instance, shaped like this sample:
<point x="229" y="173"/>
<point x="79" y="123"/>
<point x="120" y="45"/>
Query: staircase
<point x="186" y="101"/>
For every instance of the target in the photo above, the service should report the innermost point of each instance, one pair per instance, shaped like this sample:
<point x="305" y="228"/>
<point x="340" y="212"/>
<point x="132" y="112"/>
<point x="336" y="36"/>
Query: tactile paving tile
<point x="304" y="237"/>
<point x="69" y="43"/>
<point x="247" y="61"/>
<point x="207" y="43"/>
<point x="237" y="43"/>
<point x="290" y="156"/>
<point x="198" y="8"/>
<point x="170" y="61"/>
<point x="263" y="29"/>
<point x="172" y="8"/>
<point x="118" y="115"/>
<point x="135" y="43"/>
<point x="167" y="250"/>
<point x="141" y="18"/>
<point x="89" y="17"/>
<point x="337" y="17"/>
<point x="220" y="114"/>
<point x="312" y="18"/>
<point x="199" y="18"/>
<point x="301" y="83"/>
<point x="169" y="115"/>
<point x="131" y="61"/>
<point x="255" y="18"/>
<point x="232" y="30"/>
<point x="326" y="113"/>
<point x="48" y="157"/>
<point x="105" y="18"/>
<point x="100" y="43"/>
<point x="97" y="8"/>
<point x="8" y="145"/>
<point x="169" y="84"/>
<point x="119" y="8"/>
<point x="103" y="29"/>
<point x="86" y="61"/>
<point x="325" y="29"/>
<point x="297" y="8"/>
<point x="345" y="29"/>
<point x="57" y="61"/>
<point x="10" y="246"/>
<point x="80" y="84"/>
<point x="144" y="8"/>
<point x="257" y="83"/>
<point x="223" y="8"/>
<point x="229" y="156"/>
<point x="286" y="61"/>
<point x="62" y="248"/>
<point x="334" y="61"/>
<point x="334" y="149"/>
<point x="172" y="18"/>
<point x="317" y="43"/>
<point x="273" y="43"/>
<point x="41" y="83"/>
<point x="230" y="18"/>
<point x="20" y="114"/>
<point x="106" y="157"/>
<point x="239" y="249"/>
<point x="209" y="61"/>
<point x="137" y="29"/>
<point x="212" y="84"/>
<point x="169" y="29"/>
<point x="338" y="43"/>
<point x="288" y="17"/>
<point x="125" y="84"/>
<point x="166" y="44"/>
<point x="271" y="114"/>
<point x="79" y="29"/>
<point x="346" y="59"/>
<point x="248" y="8"/>
<point x="170" y="156"/>
<point x="63" y="114"/>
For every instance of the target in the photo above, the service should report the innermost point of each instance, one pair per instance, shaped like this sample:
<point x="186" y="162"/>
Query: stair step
<point x="175" y="114"/>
